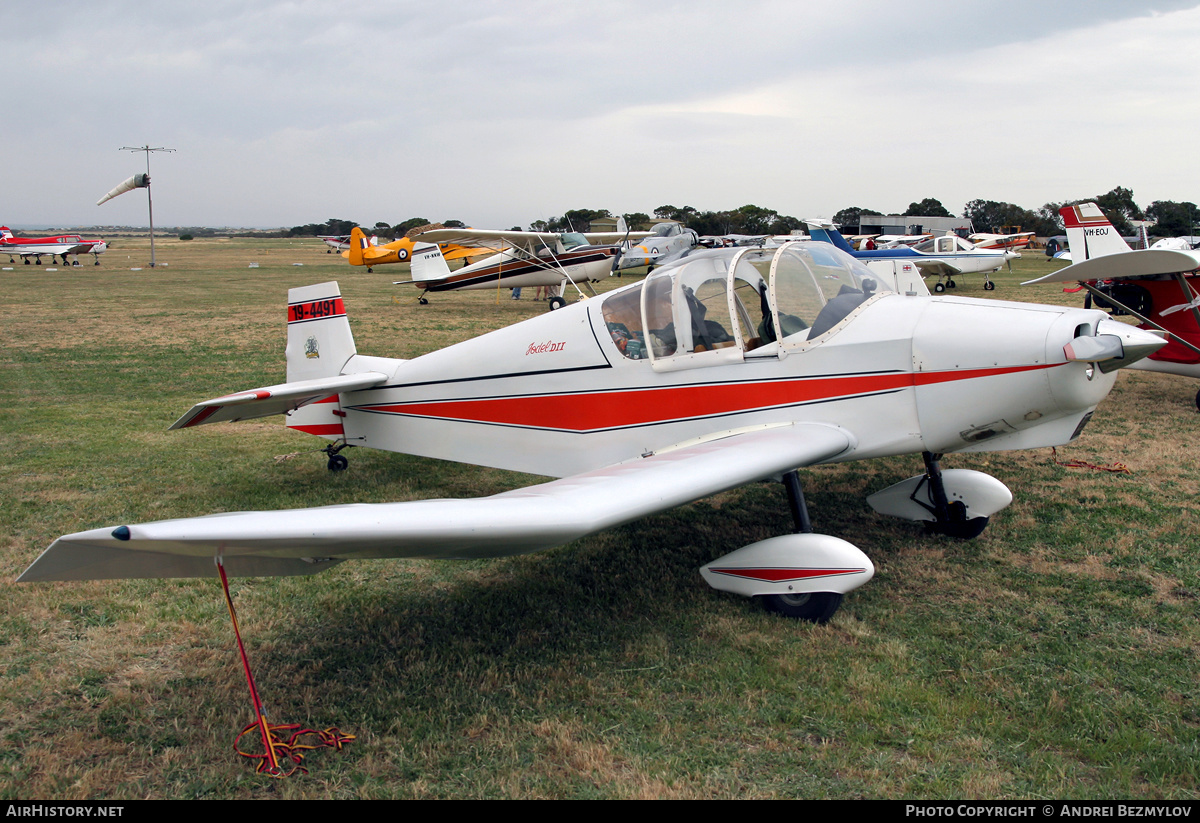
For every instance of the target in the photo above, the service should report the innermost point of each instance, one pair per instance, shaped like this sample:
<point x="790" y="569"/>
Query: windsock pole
<point x="146" y="148"/>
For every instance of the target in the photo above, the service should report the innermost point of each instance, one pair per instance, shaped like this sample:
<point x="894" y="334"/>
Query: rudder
<point x="319" y="340"/>
<point x="1089" y="233"/>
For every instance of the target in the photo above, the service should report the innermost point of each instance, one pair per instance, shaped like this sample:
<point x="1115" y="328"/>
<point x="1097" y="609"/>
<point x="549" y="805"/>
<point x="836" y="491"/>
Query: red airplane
<point x="60" y="245"/>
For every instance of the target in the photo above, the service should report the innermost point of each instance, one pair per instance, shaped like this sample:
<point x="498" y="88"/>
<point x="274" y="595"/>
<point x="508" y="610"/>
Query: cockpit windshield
<point x="573" y="239"/>
<point x="718" y="305"/>
<point x="664" y="230"/>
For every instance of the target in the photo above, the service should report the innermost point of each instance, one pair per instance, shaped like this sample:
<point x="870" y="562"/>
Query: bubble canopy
<point x="724" y="305"/>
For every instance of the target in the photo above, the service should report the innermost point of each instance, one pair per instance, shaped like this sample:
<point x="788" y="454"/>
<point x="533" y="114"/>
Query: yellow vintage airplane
<point x="364" y="251"/>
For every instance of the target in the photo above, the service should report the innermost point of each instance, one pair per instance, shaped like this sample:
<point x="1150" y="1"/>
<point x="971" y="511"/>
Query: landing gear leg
<point x="952" y="519"/>
<point x="795" y="493"/>
<point x="816" y="607"/>
<point x="337" y="463"/>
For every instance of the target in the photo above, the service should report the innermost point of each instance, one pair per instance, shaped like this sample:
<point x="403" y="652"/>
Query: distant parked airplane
<point x="38" y="247"/>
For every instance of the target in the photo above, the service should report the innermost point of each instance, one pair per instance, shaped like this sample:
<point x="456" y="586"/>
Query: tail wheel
<point x="815" y="607"/>
<point x="338" y="463"/>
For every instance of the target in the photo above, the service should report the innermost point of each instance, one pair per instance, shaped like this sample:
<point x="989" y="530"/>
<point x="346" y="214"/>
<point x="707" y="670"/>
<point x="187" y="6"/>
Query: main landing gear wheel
<point x="557" y="303"/>
<point x="950" y="284"/>
<point x="939" y="287"/>
<point x="1198" y="401"/>
<point x="957" y="525"/>
<point x="815" y="607"/>
<point x="338" y="463"/>
<point x="951" y="515"/>
<point x="989" y="286"/>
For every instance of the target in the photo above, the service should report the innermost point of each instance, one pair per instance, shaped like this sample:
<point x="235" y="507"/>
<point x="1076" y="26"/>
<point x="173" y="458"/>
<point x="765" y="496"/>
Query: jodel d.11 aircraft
<point x="720" y="369"/>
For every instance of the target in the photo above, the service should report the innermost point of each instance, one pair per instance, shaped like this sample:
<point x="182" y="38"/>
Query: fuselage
<point x="514" y="268"/>
<point x="58" y="245"/>
<point x="584" y="387"/>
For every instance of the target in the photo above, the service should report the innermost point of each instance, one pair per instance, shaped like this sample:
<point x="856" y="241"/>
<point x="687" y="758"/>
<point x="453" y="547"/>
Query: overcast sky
<point x="500" y="113"/>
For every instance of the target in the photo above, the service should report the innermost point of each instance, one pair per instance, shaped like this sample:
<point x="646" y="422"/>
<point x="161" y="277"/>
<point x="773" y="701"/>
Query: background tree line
<point x="1172" y="218"/>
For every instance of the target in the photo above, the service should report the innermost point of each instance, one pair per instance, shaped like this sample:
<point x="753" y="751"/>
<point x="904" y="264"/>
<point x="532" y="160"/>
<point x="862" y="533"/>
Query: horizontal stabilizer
<point x="270" y="400"/>
<point x="514" y="522"/>
<point x="1124" y="264"/>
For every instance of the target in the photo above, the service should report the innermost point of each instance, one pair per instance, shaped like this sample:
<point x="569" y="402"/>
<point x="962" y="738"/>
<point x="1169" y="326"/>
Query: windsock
<point x="138" y="181"/>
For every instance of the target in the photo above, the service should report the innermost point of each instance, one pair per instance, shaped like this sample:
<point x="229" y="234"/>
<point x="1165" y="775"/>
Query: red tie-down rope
<point x="1116" y="468"/>
<point x="275" y="749"/>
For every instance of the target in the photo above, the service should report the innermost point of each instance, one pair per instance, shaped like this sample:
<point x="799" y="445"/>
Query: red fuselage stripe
<point x="783" y="575"/>
<point x="321" y="428"/>
<point x="588" y="411"/>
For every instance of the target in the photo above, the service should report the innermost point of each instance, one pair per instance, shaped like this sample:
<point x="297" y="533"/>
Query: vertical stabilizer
<point x="428" y="263"/>
<point x="358" y="243"/>
<point x="1089" y="234"/>
<point x="319" y="341"/>
<point x="826" y="232"/>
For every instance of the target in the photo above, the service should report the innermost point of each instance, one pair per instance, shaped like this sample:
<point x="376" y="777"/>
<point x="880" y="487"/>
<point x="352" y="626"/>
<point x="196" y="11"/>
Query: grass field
<point x="1053" y="657"/>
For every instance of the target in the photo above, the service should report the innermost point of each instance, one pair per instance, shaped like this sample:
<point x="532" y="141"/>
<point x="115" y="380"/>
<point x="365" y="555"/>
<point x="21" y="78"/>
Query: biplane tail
<point x="1089" y="233"/>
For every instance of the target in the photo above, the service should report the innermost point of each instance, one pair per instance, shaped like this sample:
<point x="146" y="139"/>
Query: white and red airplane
<point x="38" y="247"/>
<point x="1014" y="241"/>
<point x="1158" y="286"/>
<point x="336" y="242"/>
<point x="530" y="258"/>
<point x="721" y="369"/>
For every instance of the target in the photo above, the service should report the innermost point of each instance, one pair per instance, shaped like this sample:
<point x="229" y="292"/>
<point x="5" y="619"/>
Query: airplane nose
<point x="1135" y="343"/>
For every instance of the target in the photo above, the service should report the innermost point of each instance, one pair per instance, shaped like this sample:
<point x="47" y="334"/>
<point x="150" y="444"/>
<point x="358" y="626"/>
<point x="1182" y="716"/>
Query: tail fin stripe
<point x="316" y="310"/>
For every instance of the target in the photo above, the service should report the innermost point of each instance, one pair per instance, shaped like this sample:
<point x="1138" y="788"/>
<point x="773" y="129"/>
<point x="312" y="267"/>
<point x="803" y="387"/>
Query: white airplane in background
<point x="945" y="257"/>
<point x="336" y="242"/>
<point x="899" y="241"/>
<point x="39" y="247"/>
<point x="531" y="258"/>
<point x="1158" y="286"/>
<point x="1012" y="242"/>
<point x="665" y="242"/>
<point x="721" y="369"/>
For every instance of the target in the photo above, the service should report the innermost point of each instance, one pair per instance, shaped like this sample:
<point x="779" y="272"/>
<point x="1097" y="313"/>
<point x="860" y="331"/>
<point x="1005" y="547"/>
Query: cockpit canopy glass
<point x="573" y="239"/>
<point x="699" y="305"/>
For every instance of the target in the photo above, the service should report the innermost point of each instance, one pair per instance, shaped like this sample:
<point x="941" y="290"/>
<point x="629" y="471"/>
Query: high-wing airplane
<point x="39" y="247"/>
<point x="721" y="369"/>
<point x="946" y="257"/>
<point x="337" y="242"/>
<point x="665" y="242"/>
<point x="1160" y="287"/>
<point x="1014" y="241"/>
<point x="899" y="241"/>
<point x="529" y="258"/>
<point x="364" y="251"/>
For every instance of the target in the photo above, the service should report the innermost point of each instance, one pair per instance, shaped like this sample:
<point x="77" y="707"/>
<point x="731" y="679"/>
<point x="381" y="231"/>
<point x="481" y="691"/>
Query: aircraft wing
<point x="484" y="237"/>
<point x="938" y="268"/>
<point x="271" y="400"/>
<point x="1124" y="264"/>
<point x="611" y="238"/>
<point x="303" y="541"/>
